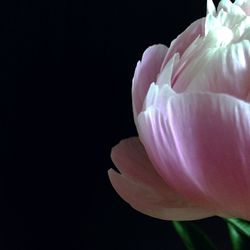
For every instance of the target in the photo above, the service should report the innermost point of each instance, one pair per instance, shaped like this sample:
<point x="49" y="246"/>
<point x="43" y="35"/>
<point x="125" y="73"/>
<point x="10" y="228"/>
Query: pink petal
<point x="191" y="54"/>
<point x="224" y="70"/>
<point x="141" y="186"/>
<point x="248" y="97"/>
<point x="131" y="159"/>
<point x="200" y="145"/>
<point x="165" y="76"/>
<point x="149" y="202"/>
<point x="145" y="73"/>
<point x="182" y="42"/>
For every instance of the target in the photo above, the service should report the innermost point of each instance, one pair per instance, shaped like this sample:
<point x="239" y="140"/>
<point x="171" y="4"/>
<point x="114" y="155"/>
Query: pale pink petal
<point x="145" y="200"/>
<point x="245" y="5"/>
<point x="145" y="73"/>
<point x="224" y="70"/>
<point x="165" y="76"/>
<point x="200" y="145"/>
<point x="183" y="41"/>
<point x="248" y="97"/>
<point x="157" y="96"/>
<point x="131" y="159"/>
<point x="141" y="186"/>
<point x="191" y="54"/>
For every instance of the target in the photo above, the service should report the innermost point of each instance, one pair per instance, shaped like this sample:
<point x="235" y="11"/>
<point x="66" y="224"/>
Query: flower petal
<point x="182" y="42"/>
<point x="132" y="161"/>
<point x="157" y="96"/>
<point x="200" y="146"/>
<point x="145" y="73"/>
<point x="211" y="7"/>
<point x="223" y="70"/>
<point x="165" y="76"/>
<point x="141" y="186"/>
<point x="248" y="97"/>
<point x="149" y="202"/>
<point x="244" y="4"/>
<point x="229" y="7"/>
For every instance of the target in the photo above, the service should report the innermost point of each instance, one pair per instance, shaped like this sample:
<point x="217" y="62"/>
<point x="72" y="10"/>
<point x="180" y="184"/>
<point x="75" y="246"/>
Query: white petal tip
<point x="211" y="7"/>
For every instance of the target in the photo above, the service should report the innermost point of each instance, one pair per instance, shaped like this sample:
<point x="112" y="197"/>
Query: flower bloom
<point x="191" y="105"/>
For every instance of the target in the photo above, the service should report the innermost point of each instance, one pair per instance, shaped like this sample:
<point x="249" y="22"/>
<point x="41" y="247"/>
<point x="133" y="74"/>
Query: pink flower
<point x="191" y="106"/>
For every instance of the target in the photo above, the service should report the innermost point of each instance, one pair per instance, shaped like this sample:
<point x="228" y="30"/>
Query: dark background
<point x="65" y="101"/>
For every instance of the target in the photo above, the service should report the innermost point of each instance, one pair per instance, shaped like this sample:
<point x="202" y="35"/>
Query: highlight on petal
<point x="141" y="186"/>
<point x="145" y="73"/>
<point x="158" y="96"/>
<point x="223" y="70"/>
<point x="229" y="16"/>
<point x="200" y="146"/>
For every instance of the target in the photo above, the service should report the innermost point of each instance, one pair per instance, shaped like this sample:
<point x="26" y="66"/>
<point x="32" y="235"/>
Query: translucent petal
<point x="141" y="186"/>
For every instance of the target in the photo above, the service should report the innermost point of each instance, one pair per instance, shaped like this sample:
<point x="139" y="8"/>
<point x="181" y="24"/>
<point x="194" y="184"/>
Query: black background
<point x="65" y="101"/>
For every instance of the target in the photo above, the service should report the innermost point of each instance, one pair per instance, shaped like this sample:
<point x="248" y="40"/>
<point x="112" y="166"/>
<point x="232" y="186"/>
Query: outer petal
<point x="145" y="73"/>
<point x="200" y="145"/>
<point x="141" y="186"/>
